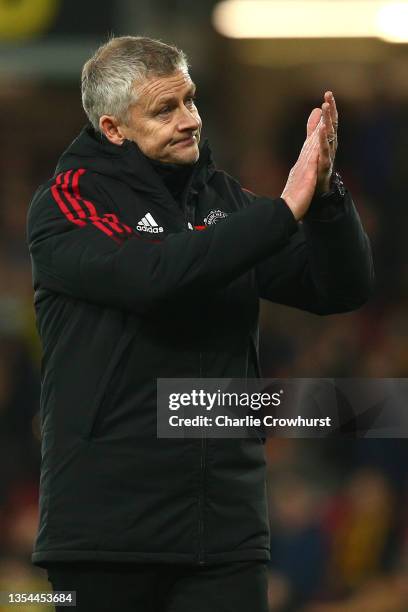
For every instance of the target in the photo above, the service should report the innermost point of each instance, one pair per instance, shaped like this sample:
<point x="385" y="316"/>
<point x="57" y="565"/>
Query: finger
<point x="329" y="97"/>
<point x="310" y="143"/>
<point x="311" y="149"/>
<point x="313" y="121"/>
<point x="311" y="169"/>
<point x="330" y="131"/>
<point x="324" y="152"/>
<point x="313" y="156"/>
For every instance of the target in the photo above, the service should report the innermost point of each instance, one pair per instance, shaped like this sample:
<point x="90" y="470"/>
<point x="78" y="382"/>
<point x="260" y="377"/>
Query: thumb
<point x="313" y="120"/>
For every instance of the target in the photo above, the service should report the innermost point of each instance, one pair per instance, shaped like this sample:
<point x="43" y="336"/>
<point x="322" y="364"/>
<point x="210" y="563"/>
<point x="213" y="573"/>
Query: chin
<point x="189" y="157"/>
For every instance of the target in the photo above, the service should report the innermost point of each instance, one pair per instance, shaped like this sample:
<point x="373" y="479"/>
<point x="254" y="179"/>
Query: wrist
<point x="324" y="186"/>
<point x="292" y="206"/>
<point x="327" y="206"/>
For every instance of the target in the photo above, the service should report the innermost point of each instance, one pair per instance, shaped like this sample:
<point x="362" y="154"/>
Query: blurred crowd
<point x="339" y="528"/>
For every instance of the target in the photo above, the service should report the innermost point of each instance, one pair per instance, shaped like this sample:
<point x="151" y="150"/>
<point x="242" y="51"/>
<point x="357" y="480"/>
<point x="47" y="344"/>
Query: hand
<point x="328" y="117"/>
<point x="301" y="184"/>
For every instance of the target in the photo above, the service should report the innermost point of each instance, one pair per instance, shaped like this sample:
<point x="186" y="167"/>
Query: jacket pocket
<point x="106" y="385"/>
<point x="253" y="370"/>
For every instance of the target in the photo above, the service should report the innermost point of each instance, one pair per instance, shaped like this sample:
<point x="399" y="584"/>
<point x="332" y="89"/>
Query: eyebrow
<point x="191" y="90"/>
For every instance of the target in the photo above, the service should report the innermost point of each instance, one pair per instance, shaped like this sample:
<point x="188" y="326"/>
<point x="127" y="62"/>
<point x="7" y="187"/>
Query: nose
<point x="188" y="120"/>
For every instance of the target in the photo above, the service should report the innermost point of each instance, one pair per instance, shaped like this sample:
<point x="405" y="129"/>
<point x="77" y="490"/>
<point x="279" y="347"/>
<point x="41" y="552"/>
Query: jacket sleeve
<point x="326" y="267"/>
<point x="77" y="252"/>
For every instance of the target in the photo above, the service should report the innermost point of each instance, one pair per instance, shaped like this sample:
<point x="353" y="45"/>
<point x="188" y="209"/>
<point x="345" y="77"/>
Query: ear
<point x="110" y="127"/>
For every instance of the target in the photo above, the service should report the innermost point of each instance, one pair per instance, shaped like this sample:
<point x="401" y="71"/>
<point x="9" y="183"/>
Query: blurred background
<point x="339" y="525"/>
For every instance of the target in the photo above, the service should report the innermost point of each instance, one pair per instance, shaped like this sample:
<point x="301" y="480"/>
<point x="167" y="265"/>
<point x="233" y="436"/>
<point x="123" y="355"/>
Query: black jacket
<point x="129" y="287"/>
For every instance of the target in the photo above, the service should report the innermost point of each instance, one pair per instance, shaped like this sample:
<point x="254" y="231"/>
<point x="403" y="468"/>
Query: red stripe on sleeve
<point x="94" y="217"/>
<point x="108" y="218"/>
<point x="113" y="222"/>
<point x="63" y="207"/>
<point x="75" y="187"/>
<point x="82" y="211"/>
<point x="74" y="203"/>
<point x="55" y="190"/>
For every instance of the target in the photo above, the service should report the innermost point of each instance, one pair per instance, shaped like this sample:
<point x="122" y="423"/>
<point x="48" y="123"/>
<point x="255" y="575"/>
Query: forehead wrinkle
<point x="170" y="96"/>
<point x="166" y="86"/>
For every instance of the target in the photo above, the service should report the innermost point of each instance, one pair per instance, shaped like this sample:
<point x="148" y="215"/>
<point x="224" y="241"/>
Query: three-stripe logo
<point x="148" y="224"/>
<point x="83" y="212"/>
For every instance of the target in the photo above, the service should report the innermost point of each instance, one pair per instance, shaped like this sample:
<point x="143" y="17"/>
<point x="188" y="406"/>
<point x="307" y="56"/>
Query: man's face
<point x="164" y="122"/>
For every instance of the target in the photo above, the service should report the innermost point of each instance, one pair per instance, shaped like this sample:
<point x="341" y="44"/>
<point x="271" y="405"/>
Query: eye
<point x="164" y="111"/>
<point x="191" y="100"/>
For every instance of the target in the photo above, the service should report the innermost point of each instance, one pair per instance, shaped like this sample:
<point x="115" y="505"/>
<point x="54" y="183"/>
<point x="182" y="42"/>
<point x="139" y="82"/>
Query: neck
<point x="174" y="176"/>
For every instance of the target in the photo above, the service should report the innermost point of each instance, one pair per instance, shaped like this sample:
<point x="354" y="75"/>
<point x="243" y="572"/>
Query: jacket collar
<point x="127" y="163"/>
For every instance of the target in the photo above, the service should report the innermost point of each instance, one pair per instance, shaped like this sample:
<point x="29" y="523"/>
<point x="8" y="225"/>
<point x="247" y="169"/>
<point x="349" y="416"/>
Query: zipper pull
<point x="189" y="209"/>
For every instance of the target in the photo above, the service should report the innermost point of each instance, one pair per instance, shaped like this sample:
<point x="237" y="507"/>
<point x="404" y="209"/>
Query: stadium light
<point x="312" y="19"/>
<point x="392" y="21"/>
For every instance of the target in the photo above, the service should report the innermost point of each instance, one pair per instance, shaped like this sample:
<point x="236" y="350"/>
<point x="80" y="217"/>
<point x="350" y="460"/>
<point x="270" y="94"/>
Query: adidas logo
<point x="148" y="224"/>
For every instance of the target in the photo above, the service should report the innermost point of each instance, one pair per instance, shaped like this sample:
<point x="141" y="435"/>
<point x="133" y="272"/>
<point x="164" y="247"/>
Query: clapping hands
<point x="313" y="169"/>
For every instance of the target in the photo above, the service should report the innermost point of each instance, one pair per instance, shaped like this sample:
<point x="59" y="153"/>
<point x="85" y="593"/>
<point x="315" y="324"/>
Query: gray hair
<point x="110" y="77"/>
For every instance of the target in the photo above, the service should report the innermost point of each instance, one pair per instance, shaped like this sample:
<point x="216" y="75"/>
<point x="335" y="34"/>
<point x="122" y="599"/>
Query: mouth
<point x="186" y="142"/>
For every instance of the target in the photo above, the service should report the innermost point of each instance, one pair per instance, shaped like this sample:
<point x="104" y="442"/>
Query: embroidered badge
<point x="214" y="216"/>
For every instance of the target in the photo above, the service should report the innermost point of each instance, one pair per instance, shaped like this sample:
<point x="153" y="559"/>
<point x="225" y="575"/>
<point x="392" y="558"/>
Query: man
<point x="148" y="262"/>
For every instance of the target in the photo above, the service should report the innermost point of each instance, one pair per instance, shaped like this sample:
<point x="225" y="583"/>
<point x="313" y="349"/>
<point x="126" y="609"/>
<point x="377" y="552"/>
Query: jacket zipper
<point x="203" y="453"/>
<point x="201" y="553"/>
<point x="189" y="218"/>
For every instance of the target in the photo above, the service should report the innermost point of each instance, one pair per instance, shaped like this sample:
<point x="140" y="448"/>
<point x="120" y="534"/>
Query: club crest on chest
<point x="214" y="216"/>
